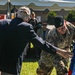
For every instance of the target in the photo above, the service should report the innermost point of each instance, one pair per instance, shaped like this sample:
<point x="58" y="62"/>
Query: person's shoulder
<point x="39" y="29"/>
<point x="26" y="24"/>
<point x="30" y="20"/>
<point x="5" y="21"/>
<point x="48" y="29"/>
<point x="70" y="25"/>
<point x="52" y="32"/>
<point x="36" y="19"/>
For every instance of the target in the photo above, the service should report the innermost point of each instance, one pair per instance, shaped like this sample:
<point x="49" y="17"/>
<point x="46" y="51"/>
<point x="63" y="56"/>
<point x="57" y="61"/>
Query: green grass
<point x="29" y="67"/>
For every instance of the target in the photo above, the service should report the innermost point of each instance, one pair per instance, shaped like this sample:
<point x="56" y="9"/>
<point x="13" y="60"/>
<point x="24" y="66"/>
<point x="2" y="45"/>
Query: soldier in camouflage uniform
<point x="61" y="36"/>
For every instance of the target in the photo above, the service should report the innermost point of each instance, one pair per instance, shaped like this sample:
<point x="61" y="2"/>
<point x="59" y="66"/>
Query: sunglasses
<point x="44" y="24"/>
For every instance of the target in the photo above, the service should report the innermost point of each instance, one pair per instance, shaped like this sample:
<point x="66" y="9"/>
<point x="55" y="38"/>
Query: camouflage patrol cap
<point x="58" y="21"/>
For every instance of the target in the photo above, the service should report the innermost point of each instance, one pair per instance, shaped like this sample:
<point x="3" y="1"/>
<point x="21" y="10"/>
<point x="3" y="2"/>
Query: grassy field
<point x="29" y="67"/>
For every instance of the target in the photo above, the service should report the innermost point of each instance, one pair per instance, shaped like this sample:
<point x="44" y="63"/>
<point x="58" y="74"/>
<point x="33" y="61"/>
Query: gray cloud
<point x="59" y="0"/>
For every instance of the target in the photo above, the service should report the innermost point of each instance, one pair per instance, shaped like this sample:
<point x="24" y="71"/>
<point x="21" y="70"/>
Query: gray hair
<point x="23" y="12"/>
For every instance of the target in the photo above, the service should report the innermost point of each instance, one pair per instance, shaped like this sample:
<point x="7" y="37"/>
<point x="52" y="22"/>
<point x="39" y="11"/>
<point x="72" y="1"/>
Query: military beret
<point x="58" y="21"/>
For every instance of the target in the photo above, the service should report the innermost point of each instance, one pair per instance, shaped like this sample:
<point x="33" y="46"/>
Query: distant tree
<point x="50" y="17"/>
<point x="71" y="16"/>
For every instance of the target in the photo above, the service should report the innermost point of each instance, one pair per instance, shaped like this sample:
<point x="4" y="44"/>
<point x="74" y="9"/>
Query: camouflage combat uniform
<point x="48" y="61"/>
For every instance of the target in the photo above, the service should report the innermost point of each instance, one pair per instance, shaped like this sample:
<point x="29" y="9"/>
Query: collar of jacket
<point x="20" y="19"/>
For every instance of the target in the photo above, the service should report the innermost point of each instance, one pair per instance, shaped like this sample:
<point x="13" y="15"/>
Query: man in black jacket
<point x="14" y="35"/>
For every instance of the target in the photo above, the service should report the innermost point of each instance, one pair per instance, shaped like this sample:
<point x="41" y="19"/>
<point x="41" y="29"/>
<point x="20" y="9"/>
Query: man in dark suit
<point x="14" y="35"/>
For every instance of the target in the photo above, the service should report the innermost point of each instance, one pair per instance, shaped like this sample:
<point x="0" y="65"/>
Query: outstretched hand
<point x="64" y="53"/>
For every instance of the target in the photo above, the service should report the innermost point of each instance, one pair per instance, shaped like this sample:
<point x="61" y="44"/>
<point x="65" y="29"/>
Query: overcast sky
<point x="69" y="3"/>
<point x="60" y="0"/>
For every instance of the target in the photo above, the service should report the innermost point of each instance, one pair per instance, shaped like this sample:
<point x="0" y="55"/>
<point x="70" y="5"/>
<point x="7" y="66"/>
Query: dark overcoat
<point x="14" y="35"/>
